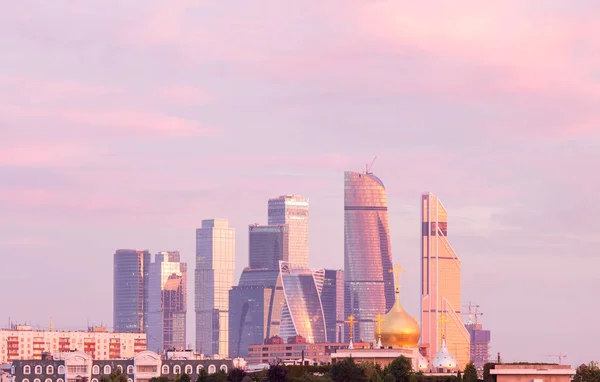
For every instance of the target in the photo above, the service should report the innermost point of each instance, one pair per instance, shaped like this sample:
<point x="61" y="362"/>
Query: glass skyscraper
<point x="167" y="302"/>
<point x="130" y="298"/>
<point x="293" y="211"/>
<point x="268" y="244"/>
<point x="440" y="285"/>
<point x="255" y="307"/>
<point x="332" y="298"/>
<point x="303" y="311"/>
<point x="369" y="284"/>
<point x="215" y="263"/>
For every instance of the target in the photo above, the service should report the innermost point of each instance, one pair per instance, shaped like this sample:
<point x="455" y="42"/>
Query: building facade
<point x="167" y="302"/>
<point x="332" y="298"/>
<point x="480" y="344"/>
<point x="80" y="367"/>
<point x="255" y="308"/>
<point x="303" y="311"/>
<point x="292" y="210"/>
<point x="440" y="285"/>
<point x="267" y="245"/>
<point x="215" y="264"/>
<point x="369" y="284"/>
<point x="21" y="342"/>
<point x="130" y="297"/>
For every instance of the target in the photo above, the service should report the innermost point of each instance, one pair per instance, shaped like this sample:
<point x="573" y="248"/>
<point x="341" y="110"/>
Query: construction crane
<point x="369" y="166"/>
<point x="560" y="357"/>
<point x="473" y="315"/>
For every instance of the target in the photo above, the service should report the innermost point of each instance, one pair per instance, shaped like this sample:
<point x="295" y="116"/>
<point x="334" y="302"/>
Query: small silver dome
<point x="443" y="359"/>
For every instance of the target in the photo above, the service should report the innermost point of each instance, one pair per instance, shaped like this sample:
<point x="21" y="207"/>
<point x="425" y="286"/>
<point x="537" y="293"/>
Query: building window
<point x="129" y="380"/>
<point x="165" y="370"/>
<point x="60" y="380"/>
<point x="38" y="369"/>
<point x="37" y="380"/>
<point x="212" y="369"/>
<point x="107" y="369"/>
<point x="199" y="369"/>
<point x="61" y="370"/>
<point x="27" y="370"/>
<point x="49" y="370"/>
<point x="224" y="368"/>
<point x="189" y="369"/>
<point x="146" y="369"/>
<point x="77" y="369"/>
<point x="96" y="369"/>
<point x="48" y="380"/>
<point x="95" y="380"/>
<point x="130" y="369"/>
<point x="176" y="369"/>
<point x="120" y="368"/>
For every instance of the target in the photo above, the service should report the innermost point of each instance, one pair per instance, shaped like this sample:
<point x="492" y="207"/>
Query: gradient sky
<point x="125" y="123"/>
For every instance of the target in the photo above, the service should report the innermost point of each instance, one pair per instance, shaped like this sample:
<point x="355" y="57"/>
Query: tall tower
<point x="130" y="296"/>
<point x="440" y="284"/>
<point x="293" y="211"/>
<point x="215" y="263"/>
<point x="369" y="284"/>
<point x="167" y="302"/>
<point x="332" y="298"/>
<point x="267" y="245"/>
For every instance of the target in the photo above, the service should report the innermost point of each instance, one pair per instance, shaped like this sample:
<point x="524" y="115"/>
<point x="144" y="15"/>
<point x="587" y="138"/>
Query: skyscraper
<point x="332" y="299"/>
<point x="440" y="285"/>
<point x="293" y="211"/>
<point x="369" y="284"/>
<point x="130" y="297"/>
<point x="215" y="263"/>
<point x="303" y="311"/>
<point x="267" y="245"/>
<point x="167" y="302"/>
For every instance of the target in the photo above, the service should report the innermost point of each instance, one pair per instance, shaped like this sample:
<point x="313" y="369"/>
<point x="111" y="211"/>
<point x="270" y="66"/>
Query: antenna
<point x="560" y="357"/>
<point x="369" y="166"/>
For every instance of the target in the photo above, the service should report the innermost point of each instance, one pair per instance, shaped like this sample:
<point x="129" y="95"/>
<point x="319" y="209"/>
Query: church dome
<point x="423" y="365"/>
<point x="443" y="359"/>
<point x="399" y="329"/>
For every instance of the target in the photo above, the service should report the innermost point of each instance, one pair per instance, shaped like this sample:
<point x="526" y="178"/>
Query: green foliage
<point x="236" y="375"/>
<point x="162" y="378"/>
<point x="389" y="378"/>
<point x="183" y="378"/>
<point x="487" y="376"/>
<point x="459" y="376"/>
<point x="400" y="369"/>
<point x="347" y="371"/>
<point x="277" y="373"/>
<point x="203" y="376"/>
<point x="219" y="376"/>
<point x="115" y="376"/>
<point x="587" y="373"/>
<point x="298" y="371"/>
<point x="470" y="373"/>
<point x="373" y="371"/>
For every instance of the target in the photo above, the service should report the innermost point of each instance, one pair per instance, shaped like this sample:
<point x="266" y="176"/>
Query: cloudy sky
<point x="125" y="123"/>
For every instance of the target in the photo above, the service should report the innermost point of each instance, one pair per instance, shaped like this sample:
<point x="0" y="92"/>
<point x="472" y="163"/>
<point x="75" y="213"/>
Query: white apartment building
<point x="23" y="343"/>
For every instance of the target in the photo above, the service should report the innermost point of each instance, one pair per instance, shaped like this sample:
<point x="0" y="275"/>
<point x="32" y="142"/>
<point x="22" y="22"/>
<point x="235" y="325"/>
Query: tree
<point x="162" y="378"/>
<point x="183" y="378"/>
<point x="347" y="371"/>
<point x="400" y="368"/>
<point x="587" y="373"/>
<point x="389" y="378"/>
<point x="373" y="371"/>
<point x="219" y="376"/>
<point x="459" y="376"/>
<point x="487" y="376"/>
<point x="202" y="376"/>
<point x="236" y="375"/>
<point x="277" y="373"/>
<point x="115" y="376"/>
<point x="470" y="373"/>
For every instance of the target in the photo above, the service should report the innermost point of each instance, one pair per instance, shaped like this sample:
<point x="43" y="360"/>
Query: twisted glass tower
<point x="368" y="284"/>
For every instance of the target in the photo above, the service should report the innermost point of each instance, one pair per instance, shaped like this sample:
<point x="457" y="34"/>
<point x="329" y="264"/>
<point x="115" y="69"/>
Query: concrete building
<point x="215" y="264"/>
<point x="130" y="297"/>
<point x="369" y="285"/>
<point x="292" y="210"/>
<point x="440" y="286"/>
<point x="167" y="302"/>
<point x="535" y="373"/>
<point x="21" y="342"/>
<point x="80" y="367"/>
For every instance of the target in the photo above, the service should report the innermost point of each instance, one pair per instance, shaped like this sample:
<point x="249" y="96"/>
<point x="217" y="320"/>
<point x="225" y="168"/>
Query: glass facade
<point x="130" y="298"/>
<point x="332" y="298"/>
<point x="302" y="312"/>
<point x="215" y="262"/>
<point x="268" y="244"/>
<point x="440" y="285"/>
<point x="167" y="302"/>
<point x="369" y="284"/>
<point x="293" y="211"/>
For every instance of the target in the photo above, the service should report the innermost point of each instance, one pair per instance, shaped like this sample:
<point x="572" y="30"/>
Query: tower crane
<point x="560" y="357"/>
<point x="369" y="166"/>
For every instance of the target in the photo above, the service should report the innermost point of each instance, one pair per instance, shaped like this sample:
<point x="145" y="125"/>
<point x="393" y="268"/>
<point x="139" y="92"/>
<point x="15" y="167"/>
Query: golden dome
<point x="399" y="329"/>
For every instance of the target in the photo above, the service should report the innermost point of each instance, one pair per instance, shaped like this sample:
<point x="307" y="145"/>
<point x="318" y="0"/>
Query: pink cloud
<point x="184" y="95"/>
<point x="41" y="153"/>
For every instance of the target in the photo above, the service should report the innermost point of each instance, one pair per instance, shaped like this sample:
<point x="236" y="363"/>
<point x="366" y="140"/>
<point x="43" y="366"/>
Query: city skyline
<point x="124" y="124"/>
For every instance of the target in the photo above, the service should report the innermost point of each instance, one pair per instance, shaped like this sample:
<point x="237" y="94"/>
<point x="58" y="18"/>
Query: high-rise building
<point x="303" y="311"/>
<point x="332" y="299"/>
<point x="268" y="244"/>
<point x="293" y="211"/>
<point x="167" y="302"/>
<point x="215" y="264"/>
<point x="130" y="298"/>
<point x="440" y="285"/>
<point x="369" y="283"/>
<point x="255" y="307"/>
<point x="480" y="338"/>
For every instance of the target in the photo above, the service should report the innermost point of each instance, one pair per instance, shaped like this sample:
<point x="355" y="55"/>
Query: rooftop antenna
<point x="369" y="166"/>
<point x="560" y="357"/>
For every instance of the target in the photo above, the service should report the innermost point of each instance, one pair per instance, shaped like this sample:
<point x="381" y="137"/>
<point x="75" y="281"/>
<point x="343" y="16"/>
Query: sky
<point x="125" y="123"/>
